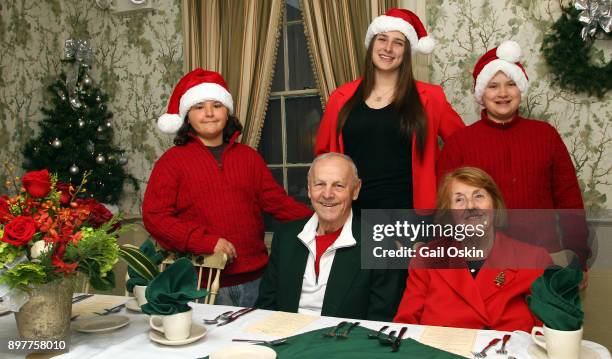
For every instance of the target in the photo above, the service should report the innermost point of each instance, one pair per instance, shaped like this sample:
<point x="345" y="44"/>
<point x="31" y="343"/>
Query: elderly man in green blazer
<point x="315" y="264"/>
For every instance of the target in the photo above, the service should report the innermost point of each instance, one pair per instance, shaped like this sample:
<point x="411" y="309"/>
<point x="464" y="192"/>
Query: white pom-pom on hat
<point x="509" y="50"/>
<point x="426" y="45"/>
<point x="169" y="123"/>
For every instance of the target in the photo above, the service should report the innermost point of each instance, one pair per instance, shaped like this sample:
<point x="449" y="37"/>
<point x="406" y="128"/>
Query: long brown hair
<point x="407" y="103"/>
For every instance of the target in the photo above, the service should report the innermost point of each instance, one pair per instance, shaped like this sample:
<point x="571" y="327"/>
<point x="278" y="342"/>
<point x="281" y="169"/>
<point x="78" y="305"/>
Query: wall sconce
<point x="123" y="6"/>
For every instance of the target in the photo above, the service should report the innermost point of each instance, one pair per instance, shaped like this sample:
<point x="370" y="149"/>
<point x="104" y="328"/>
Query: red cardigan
<point x="442" y="121"/>
<point x="451" y="297"/>
<point x="191" y="201"/>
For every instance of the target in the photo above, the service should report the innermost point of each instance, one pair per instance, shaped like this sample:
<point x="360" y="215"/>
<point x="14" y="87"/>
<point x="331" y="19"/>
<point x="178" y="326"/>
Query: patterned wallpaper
<point x="465" y="29"/>
<point x="139" y="58"/>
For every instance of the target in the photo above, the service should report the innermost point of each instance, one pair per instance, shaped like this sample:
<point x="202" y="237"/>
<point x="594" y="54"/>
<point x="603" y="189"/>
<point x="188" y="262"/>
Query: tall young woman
<point x="387" y="121"/>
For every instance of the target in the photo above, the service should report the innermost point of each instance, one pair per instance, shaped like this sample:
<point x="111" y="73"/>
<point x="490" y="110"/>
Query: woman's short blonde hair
<point x="471" y="176"/>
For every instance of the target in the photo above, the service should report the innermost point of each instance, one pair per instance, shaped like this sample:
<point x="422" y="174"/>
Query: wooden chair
<point x="213" y="263"/>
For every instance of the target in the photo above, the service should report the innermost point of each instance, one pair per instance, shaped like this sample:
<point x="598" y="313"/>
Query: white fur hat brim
<point x="489" y="71"/>
<point x="205" y="92"/>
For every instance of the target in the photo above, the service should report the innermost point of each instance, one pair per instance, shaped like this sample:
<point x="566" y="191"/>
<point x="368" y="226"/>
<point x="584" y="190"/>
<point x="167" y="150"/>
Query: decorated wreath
<point x="568" y="49"/>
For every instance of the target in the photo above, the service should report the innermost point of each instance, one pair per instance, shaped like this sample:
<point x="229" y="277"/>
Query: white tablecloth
<point x="133" y="340"/>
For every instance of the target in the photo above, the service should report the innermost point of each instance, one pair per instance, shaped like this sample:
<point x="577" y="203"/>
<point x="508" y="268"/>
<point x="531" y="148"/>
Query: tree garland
<point x="568" y="56"/>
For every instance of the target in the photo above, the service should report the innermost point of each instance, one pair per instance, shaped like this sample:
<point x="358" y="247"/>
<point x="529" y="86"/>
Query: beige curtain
<point x="335" y="31"/>
<point x="237" y="38"/>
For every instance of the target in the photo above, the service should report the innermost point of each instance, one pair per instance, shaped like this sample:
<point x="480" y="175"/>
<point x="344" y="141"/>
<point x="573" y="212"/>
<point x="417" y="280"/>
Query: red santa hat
<point x="504" y="58"/>
<point x="406" y="22"/>
<point x="197" y="86"/>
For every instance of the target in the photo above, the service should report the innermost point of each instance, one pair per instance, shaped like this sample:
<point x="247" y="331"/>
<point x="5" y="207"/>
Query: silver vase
<point x="47" y="314"/>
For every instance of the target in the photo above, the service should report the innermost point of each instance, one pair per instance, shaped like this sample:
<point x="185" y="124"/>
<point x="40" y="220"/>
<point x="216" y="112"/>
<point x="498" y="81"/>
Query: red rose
<point x="64" y="189"/>
<point x="98" y="213"/>
<point x="19" y="231"/>
<point x="37" y="183"/>
<point x="5" y="214"/>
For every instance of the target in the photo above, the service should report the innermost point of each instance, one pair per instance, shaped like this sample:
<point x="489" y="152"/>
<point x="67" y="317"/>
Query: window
<point x="294" y="110"/>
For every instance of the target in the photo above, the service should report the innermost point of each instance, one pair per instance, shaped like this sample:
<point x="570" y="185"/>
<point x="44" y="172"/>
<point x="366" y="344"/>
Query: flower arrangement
<point x="47" y="231"/>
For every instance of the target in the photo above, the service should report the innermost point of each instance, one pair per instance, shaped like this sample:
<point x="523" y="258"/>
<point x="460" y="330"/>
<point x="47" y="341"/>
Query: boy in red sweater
<point x="206" y="194"/>
<point x="527" y="158"/>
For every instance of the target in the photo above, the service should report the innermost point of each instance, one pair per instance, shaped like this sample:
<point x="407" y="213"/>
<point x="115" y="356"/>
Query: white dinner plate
<point x="537" y="352"/>
<point x="243" y="351"/>
<point x="101" y="324"/>
<point x="132" y="305"/>
<point x="196" y="333"/>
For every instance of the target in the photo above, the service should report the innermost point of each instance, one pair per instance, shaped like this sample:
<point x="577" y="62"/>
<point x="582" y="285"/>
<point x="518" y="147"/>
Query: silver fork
<point x="115" y="309"/>
<point x="266" y="342"/>
<point x="483" y="352"/>
<point x="220" y="317"/>
<point x="502" y="350"/>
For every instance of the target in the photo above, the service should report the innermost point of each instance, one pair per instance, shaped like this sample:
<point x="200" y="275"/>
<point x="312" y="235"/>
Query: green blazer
<point x="351" y="292"/>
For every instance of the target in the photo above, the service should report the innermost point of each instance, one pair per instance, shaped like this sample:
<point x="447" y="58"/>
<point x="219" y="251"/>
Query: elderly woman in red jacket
<point x="389" y="123"/>
<point x="487" y="287"/>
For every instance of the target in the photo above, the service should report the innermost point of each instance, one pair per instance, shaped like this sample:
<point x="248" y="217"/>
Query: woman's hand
<point x="224" y="246"/>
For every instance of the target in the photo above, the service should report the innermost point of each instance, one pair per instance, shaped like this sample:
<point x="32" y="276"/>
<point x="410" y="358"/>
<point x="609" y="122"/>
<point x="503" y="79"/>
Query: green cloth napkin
<point x="148" y="248"/>
<point x="172" y="289"/>
<point x="357" y="346"/>
<point x="555" y="297"/>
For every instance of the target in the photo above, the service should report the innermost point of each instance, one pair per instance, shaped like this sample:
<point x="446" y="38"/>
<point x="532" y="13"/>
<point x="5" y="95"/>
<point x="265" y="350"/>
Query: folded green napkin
<point x="172" y="289"/>
<point x="357" y="346"/>
<point x="148" y="248"/>
<point x="555" y="297"/>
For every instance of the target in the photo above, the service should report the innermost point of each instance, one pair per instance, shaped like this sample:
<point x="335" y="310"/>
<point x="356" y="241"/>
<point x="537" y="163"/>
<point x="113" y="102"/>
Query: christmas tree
<point x="76" y="136"/>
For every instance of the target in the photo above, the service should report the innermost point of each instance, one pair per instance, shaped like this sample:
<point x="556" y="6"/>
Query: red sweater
<point x="532" y="167"/>
<point x="191" y="201"/>
<point x="442" y="121"/>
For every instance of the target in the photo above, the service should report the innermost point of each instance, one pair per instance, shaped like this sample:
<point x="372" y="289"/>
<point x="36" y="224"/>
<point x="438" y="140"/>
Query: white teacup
<point x="139" y="293"/>
<point x="559" y="344"/>
<point x="175" y="327"/>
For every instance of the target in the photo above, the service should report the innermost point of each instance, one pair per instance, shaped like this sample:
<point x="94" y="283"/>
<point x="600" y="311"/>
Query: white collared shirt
<point x="313" y="290"/>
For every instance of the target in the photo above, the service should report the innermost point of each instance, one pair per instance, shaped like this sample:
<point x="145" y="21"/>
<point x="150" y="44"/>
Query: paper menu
<point x="281" y="324"/>
<point x="458" y="341"/>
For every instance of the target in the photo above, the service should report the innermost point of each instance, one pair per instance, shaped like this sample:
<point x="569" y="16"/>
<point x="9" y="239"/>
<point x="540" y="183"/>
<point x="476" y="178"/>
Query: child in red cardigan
<point x="207" y="193"/>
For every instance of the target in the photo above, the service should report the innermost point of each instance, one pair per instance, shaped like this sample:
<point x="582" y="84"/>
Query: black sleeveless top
<point x="382" y="155"/>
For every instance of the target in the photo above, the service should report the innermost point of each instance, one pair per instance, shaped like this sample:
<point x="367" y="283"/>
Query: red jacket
<point x="191" y="201"/>
<point x="451" y="297"/>
<point x="442" y="121"/>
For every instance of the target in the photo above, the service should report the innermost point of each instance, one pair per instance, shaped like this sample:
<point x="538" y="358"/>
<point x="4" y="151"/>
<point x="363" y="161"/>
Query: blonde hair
<point x="475" y="177"/>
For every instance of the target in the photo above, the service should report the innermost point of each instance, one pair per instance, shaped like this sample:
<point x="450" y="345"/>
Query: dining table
<point x="133" y="340"/>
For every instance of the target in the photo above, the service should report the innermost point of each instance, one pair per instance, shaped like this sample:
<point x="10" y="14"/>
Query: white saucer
<point x="243" y="351"/>
<point x="133" y="306"/>
<point x="197" y="332"/>
<point x="101" y="324"/>
<point x="537" y="352"/>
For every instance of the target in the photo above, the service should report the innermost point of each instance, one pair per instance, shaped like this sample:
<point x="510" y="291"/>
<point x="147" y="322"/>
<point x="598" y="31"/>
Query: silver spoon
<point x="220" y="317"/>
<point x="266" y="342"/>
